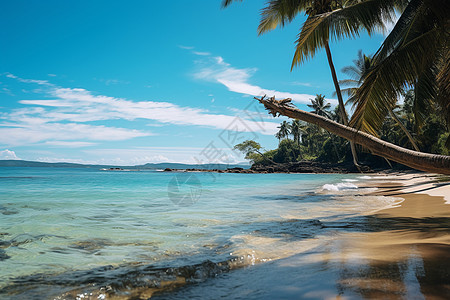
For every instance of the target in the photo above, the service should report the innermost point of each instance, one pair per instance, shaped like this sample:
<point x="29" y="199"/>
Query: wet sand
<point x="401" y="253"/>
<point x="408" y="254"/>
<point x="411" y="257"/>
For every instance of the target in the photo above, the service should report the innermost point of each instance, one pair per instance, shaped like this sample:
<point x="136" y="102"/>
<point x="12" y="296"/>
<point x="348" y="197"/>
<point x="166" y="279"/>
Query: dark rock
<point x="167" y="170"/>
<point x="307" y="167"/>
<point x="235" y="170"/>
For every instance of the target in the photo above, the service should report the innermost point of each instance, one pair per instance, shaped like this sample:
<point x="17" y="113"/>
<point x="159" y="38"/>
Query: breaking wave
<point x="339" y="187"/>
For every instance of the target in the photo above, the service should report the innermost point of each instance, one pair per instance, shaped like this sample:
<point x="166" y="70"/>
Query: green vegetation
<point x="301" y="141"/>
<point x="252" y="152"/>
<point x="415" y="54"/>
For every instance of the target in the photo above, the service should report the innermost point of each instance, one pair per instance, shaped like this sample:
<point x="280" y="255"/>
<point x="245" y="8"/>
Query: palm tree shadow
<point x="434" y="186"/>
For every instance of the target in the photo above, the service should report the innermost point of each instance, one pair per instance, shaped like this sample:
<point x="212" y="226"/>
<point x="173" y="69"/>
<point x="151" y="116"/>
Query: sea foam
<point x="338" y="187"/>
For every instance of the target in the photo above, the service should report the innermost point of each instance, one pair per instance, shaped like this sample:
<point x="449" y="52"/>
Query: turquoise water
<point x="82" y="229"/>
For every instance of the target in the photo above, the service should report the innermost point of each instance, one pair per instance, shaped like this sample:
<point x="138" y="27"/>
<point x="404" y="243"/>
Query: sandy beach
<point x="403" y="253"/>
<point x="416" y="236"/>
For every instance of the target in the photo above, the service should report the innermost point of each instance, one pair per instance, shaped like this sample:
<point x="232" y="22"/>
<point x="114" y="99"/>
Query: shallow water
<point x="66" y="233"/>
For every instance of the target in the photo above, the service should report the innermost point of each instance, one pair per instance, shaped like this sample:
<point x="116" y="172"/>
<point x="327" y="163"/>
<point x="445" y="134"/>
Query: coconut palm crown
<point x="320" y="106"/>
<point x="285" y="130"/>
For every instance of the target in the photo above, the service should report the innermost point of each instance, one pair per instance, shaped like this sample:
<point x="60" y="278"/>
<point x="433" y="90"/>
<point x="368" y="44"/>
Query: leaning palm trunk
<point x="341" y="102"/>
<point x="414" y="159"/>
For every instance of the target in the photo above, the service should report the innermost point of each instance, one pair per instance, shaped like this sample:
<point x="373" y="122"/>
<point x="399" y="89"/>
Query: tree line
<point x="301" y="141"/>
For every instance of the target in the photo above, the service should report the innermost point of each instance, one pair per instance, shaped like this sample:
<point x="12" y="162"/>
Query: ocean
<point x="72" y="233"/>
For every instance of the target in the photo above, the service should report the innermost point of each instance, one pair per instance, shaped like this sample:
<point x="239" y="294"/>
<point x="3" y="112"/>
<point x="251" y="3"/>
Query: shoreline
<point x="401" y="184"/>
<point x="401" y="253"/>
<point x="417" y="235"/>
<point x="302" y="167"/>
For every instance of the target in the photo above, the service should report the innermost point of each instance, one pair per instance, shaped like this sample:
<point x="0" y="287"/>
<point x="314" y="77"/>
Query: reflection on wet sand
<point x="410" y="260"/>
<point x="399" y="253"/>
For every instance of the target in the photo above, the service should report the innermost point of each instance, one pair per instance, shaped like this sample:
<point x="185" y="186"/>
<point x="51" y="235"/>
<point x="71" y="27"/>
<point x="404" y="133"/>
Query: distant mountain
<point x="26" y="163"/>
<point x="149" y="166"/>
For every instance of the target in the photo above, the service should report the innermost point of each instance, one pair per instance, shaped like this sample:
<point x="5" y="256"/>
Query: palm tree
<point x="327" y="19"/>
<point x="296" y="130"/>
<point x="285" y="130"/>
<point x="415" y="53"/>
<point x="320" y="106"/>
<point x="418" y="160"/>
<point x="356" y="72"/>
<point x="278" y="136"/>
<point x="360" y="68"/>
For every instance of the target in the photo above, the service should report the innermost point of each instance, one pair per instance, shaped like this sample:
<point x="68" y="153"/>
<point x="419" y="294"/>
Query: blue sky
<point x="128" y="83"/>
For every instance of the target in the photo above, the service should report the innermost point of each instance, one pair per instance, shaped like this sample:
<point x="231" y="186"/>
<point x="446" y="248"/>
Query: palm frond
<point x="280" y="12"/>
<point x="401" y="30"/>
<point x="402" y="61"/>
<point x="349" y="82"/>
<point x="349" y="91"/>
<point x="341" y="23"/>
<point x="443" y="83"/>
<point x="385" y="82"/>
<point x="418" y="17"/>
<point x="425" y="90"/>
<point x="226" y="3"/>
<point x="352" y="71"/>
<point x="351" y="99"/>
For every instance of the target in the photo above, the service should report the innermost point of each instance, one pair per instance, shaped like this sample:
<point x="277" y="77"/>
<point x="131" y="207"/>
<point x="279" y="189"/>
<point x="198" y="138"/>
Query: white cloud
<point x="61" y="118"/>
<point x="29" y="133"/>
<point x="8" y="154"/>
<point x="54" y="159"/>
<point x="201" y="53"/>
<point x="132" y="156"/>
<point x="112" y="81"/>
<point x="9" y="75"/>
<point x="215" y="69"/>
<point x="142" y="155"/>
<point x="117" y="161"/>
<point x="54" y="103"/>
<point x="307" y="84"/>
<point x="69" y="144"/>
<point x="79" y="105"/>
<point x="6" y="91"/>
<point x="186" y="47"/>
<point x="40" y="82"/>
